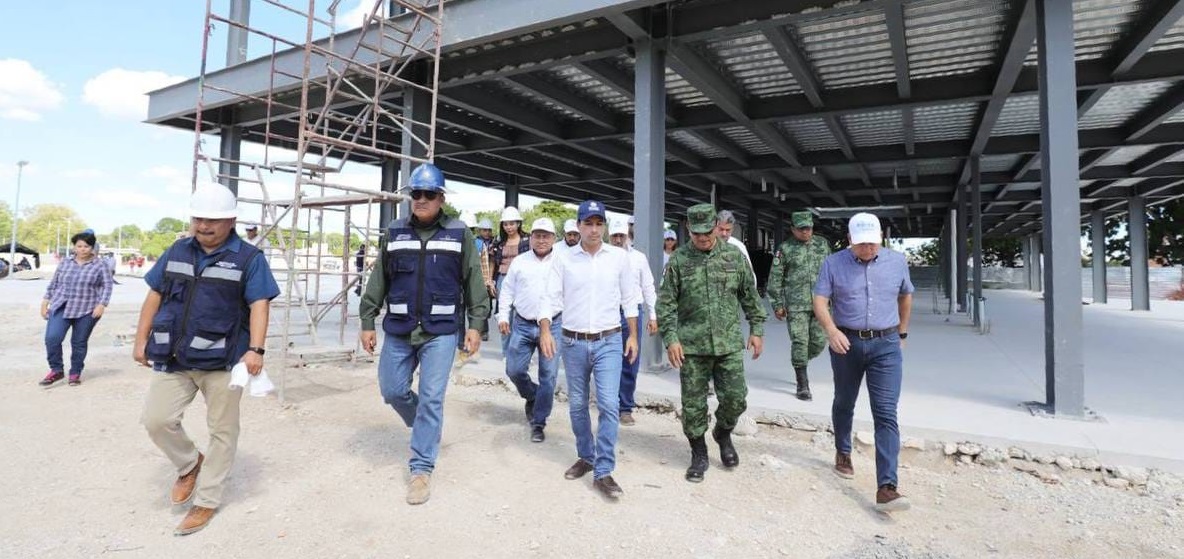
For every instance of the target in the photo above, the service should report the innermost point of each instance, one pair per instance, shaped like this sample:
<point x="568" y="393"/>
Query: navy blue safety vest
<point x="202" y="317"/>
<point x="424" y="279"/>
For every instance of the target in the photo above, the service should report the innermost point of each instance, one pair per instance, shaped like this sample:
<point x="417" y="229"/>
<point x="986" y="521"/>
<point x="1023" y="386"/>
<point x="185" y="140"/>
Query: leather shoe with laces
<point x="183" y="487"/>
<point x="843" y="466"/>
<point x="419" y="489"/>
<point x="578" y="470"/>
<point x="198" y="518"/>
<point x="608" y="487"/>
<point x="889" y="500"/>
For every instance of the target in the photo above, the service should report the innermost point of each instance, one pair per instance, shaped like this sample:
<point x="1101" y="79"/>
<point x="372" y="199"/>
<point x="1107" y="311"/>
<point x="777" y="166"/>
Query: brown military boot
<point x="183" y="487"/>
<point x="803" y="381"/>
<point x="197" y="519"/>
<point x="843" y="466"/>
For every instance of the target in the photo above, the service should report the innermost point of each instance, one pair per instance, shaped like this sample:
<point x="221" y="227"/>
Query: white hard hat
<point x="569" y="226"/>
<point x="511" y="214"/>
<point x="618" y="228"/>
<point x="484" y="224"/>
<point x="543" y="224"/>
<point x="211" y="200"/>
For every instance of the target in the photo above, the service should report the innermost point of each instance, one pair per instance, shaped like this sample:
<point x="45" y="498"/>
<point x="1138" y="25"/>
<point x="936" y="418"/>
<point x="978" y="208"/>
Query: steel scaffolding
<point x="344" y="101"/>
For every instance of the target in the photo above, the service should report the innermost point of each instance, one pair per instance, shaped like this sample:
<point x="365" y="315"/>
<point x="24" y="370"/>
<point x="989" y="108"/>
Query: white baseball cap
<point x="543" y="224"/>
<point x="569" y="226"/>
<point x="864" y="228"/>
<point x="668" y="234"/>
<point x="618" y="227"/>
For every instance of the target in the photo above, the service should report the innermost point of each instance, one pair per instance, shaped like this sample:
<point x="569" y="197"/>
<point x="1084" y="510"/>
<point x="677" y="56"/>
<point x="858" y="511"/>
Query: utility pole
<point x="16" y="210"/>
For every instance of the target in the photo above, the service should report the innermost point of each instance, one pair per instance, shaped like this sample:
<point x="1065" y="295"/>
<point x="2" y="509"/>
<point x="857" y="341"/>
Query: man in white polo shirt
<point x="571" y="235"/>
<point x="592" y="286"/>
<point x="523" y="291"/>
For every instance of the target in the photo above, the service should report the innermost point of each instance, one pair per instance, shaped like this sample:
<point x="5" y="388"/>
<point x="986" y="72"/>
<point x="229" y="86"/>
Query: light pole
<point x="16" y="209"/>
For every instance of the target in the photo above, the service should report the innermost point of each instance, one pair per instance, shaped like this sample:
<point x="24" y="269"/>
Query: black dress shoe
<point x="608" y="487"/>
<point x="536" y="434"/>
<point x="578" y="470"/>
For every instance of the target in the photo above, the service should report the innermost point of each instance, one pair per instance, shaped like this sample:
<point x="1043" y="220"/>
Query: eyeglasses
<point x="431" y="195"/>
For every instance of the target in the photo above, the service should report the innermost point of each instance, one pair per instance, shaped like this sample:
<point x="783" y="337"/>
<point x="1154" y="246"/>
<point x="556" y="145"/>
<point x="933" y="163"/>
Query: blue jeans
<point x="423" y="413"/>
<point x="880" y="359"/>
<point x="629" y="370"/>
<point x="601" y="360"/>
<point x="524" y="341"/>
<point x="55" y="334"/>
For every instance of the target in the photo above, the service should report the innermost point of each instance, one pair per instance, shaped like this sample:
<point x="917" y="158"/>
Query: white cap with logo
<point x="569" y="226"/>
<point x="618" y="227"/>
<point x="864" y="228"/>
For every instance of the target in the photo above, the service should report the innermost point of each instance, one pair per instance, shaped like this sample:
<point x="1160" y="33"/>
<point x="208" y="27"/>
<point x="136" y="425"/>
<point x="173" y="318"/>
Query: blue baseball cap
<point x="590" y="208"/>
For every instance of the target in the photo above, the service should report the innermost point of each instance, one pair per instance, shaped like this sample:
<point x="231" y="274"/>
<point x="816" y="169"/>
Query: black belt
<point x="536" y="322"/>
<point x="868" y="334"/>
<point x="590" y="337"/>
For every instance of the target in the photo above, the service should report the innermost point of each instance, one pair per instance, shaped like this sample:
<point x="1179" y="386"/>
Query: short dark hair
<point x="88" y="238"/>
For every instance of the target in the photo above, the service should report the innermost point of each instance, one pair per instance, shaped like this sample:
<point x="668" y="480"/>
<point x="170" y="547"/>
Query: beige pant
<point x="168" y="396"/>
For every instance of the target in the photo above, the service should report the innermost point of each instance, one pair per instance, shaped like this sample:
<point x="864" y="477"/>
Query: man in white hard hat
<point x="522" y="294"/>
<point x="571" y="235"/>
<point x="872" y="297"/>
<point x="427" y="281"/>
<point x="206" y="311"/>
<point x="640" y="274"/>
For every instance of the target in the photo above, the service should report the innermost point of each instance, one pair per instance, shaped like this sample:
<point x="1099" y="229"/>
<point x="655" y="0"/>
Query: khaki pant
<point x="168" y="396"/>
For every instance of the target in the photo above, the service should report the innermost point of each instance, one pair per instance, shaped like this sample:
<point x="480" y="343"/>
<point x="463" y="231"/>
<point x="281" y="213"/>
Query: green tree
<point x="40" y="224"/>
<point x="929" y="254"/>
<point x="451" y="211"/>
<point x="156" y="243"/>
<point x="5" y="220"/>
<point x="1004" y="251"/>
<point x="170" y="225"/>
<point x="494" y="217"/>
<point x="559" y="212"/>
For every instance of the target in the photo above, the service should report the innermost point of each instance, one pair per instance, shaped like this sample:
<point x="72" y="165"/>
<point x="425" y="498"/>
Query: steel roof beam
<point x="1166" y="106"/>
<point x="1151" y="27"/>
<point x="584" y="108"/>
<point x="1154" y="158"/>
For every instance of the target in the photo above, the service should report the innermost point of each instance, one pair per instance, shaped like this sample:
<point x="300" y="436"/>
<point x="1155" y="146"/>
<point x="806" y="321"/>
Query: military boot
<point x="698" y="460"/>
<point x="803" y="384"/>
<point x="727" y="452"/>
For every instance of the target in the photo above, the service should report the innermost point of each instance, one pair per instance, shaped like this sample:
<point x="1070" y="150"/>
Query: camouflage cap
<point x="803" y="219"/>
<point x="701" y="218"/>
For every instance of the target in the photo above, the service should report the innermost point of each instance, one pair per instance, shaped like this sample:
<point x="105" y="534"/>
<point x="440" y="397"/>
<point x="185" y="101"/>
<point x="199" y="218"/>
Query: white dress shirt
<point x="525" y="287"/>
<point x="743" y="250"/>
<point x="593" y="289"/>
<point x="640" y="270"/>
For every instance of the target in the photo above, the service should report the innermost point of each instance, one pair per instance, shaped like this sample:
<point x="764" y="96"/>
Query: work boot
<point x="803" y="384"/>
<point x="727" y="452"/>
<point x="699" y="462"/>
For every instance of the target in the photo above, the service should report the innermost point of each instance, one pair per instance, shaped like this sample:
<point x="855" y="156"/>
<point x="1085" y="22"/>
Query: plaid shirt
<point x="79" y="287"/>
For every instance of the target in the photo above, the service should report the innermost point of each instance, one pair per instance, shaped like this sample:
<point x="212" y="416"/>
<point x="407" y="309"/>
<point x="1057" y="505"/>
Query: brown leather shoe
<point x="843" y="466"/>
<point x="197" y="519"/>
<point x="183" y="487"/>
<point x="888" y="500"/>
<point x="578" y="470"/>
<point x="627" y="419"/>
<point x="608" y="487"/>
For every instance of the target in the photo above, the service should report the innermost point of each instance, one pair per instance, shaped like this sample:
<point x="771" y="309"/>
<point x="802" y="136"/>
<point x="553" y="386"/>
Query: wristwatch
<point x="258" y="350"/>
<point x="904" y="335"/>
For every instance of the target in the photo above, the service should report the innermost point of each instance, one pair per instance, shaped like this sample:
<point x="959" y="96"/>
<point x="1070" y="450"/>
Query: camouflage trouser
<point x="807" y="337"/>
<point x="727" y="371"/>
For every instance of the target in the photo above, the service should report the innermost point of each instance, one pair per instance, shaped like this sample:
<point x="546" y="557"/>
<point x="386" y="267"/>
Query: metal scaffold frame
<point x="343" y="102"/>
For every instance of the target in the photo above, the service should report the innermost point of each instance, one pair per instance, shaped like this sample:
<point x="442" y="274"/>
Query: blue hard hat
<point x="426" y="177"/>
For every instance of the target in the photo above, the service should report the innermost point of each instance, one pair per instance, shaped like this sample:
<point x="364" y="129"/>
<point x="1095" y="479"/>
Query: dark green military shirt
<point x="700" y="300"/>
<point x="475" y="294"/>
<point x="795" y="270"/>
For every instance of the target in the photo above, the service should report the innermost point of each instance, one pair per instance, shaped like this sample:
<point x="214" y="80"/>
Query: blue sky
<point x="72" y="78"/>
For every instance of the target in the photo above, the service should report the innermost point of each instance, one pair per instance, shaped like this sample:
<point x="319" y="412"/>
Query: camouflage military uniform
<point x="790" y="287"/>
<point x="699" y="306"/>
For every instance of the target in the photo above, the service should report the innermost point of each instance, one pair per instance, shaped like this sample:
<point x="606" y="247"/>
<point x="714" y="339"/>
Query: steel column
<point x="230" y="139"/>
<point x="512" y="195"/>
<point x="389" y="182"/>
<point x="976" y="219"/>
<point x="1064" y="366"/>
<point x="1098" y="242"/>
<point x="960" y="247"/>
<point x="1137" y="228"/>
<point x="417" y="107"/>
<point x="1037" y="253"/>
<point x="1026" y="257"/>
<point x="649" y="167"/>
<point x="230" y="144"/>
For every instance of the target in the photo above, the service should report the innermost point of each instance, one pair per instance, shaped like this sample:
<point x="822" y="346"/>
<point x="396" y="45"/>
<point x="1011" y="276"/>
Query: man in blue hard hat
<point x="427" y="275"/>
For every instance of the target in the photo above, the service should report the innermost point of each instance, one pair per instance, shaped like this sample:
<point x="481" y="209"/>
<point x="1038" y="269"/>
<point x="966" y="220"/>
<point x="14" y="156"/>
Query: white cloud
<point x="82" y="174"/>
<point x="122" y="198"/>
<point x="166" y="172"/>
<point x="25" y="92"/>
<point x="355" y="16"/>
<point x="123" y="93"/>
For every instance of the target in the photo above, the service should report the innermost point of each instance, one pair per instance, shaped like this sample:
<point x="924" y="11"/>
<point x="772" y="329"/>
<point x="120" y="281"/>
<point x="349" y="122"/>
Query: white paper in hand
<point x="257" y="386"/>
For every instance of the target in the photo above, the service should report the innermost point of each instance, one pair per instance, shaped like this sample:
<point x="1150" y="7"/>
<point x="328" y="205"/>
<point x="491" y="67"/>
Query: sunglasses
<point x="431" y="195"/>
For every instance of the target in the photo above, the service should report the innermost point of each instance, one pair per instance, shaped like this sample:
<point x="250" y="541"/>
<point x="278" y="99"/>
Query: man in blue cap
<point x="592" y="286"/>
<point x="427" y="275"/>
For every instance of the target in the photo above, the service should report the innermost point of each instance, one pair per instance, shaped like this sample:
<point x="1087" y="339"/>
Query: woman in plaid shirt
<point x="75" y="300"/>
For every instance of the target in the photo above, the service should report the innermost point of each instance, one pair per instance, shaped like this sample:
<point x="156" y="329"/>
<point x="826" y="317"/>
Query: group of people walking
<point x="582" y="302"/>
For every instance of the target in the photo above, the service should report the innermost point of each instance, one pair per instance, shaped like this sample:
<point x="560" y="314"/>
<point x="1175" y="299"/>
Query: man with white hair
<point x="522" y="294"/>
<point x="872" y="297"/>
<point x="639" y="271"/>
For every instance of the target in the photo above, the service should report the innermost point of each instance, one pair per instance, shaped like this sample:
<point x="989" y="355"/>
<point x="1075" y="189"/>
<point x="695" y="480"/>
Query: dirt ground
<point x="324" y="477"/>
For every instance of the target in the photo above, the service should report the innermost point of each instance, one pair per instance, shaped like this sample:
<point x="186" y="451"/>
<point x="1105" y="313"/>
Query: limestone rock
<point x="746" y="426"/>
<point x="771" y="462"/>
<point x="1017" y="453"/>
<point x="913" y="443"/>
<point x="969" y="449"/>
<point x="991" y="457"/>
<point x="1136" y="476"/>
<point x="950" y="449"/>
<point x="1117" y="482"/>
<point x="1064" y="462"/>
<point x="1090" y="465"/>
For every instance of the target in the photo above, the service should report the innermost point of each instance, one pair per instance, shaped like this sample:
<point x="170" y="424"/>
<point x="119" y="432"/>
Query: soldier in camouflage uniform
<point x="705" y="285"/>
<point x="790" y="285"/>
